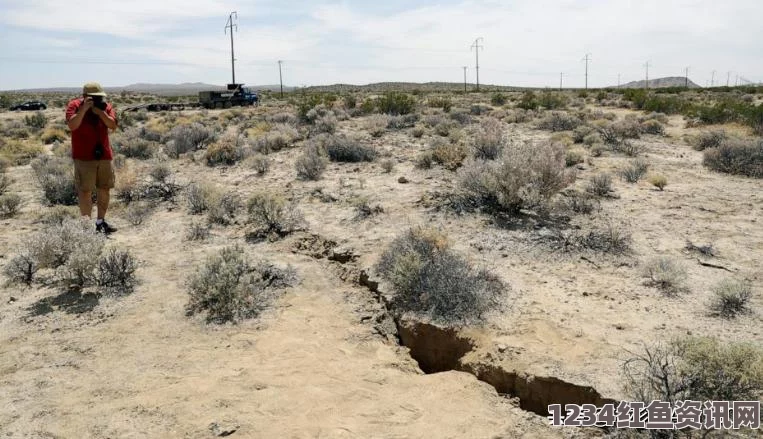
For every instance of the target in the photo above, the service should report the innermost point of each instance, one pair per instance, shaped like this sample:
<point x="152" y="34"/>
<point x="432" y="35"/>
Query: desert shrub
<point x="658" y="181"/>
<point x="21" y="268"/>
<point x="137" y="213"/>
<point x="665" y="274"/>
<point x="396" y="104"/>
<point x="223" y="207"/>
<point x="283" y="118"/>
<point x="432" y="280"/>
<point x="580" y="132"/>
<point x="425" y="160"/>
<point x="187" y="138"/>
<point x="626" y="147"/>
<point x="528" y="101"/>
<point x="52" y="135"/>
<point x="325" y="124"/>
<point x="197" y="198"/>
<point x="441" y="102"/>
<point x="131" y="144"/>
<point x="449" y="155"/>
<point x="387" y="165"/>
<point x="607" y="132"/>
<point x="5" y="183"/>
<point x="574" y="157"/>
<point x="400" y="122"/>
<point x="652" y="127"/>
<point x="227" y="151"/>
<point x="36" y="120"/>
<point x="444" y="129"/>
<point x="280" y="136"/>
<point x="609" y="238"/>
<point x="19" y="153"/>
<point x="730" y="297"/>
<point x="115" y="273"/>
<point x="579" y="202"/>
<point x="228" y="288"/>
<point x="432" y="120"/>
<point x="197" y="232"/>
<point x="559" y="121"/>
<point x="376" y="124"/>
<point x="4" y="163"/>
<point x="479" y="109"/>
<point x="742" y="157"/>
<point x="417" y="132"/>
<point x="55" y="175"/>
<point x="709" y="139"/>
<point x="364" y="209"/>
<point x="462" y="117"/>
<point x="350" y="101"/>
<point x="628" y="128"/>
<point x="600" y="185"/>
<point x="487" y="141"/>
<point x="344" y="149"/>
<point x="258" y="162"/>
<point x="9" y="205"/>
<point x="526" y="175"/>
<point x="498" y="99"/>
<point x="592" y="139"/>
<point x="552" y="101"/>
<point x="635" y="170"/>
<point x="311" y="164"/>
<point x="272" y="216"/>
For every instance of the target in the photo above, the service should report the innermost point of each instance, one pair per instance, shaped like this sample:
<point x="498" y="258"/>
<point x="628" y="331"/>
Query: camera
<point x="98" y="151"/>
<point x="98" y="102"/>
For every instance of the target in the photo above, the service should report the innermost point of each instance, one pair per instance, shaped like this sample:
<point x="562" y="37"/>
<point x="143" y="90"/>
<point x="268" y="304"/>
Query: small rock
<point x="402" y="180"/>
<point x="619" y="327"/>
<point x="12" y="299"/>
<point x="502" y="348"/>
<point x="585" y="294"/>
<point x="222" y="430"/>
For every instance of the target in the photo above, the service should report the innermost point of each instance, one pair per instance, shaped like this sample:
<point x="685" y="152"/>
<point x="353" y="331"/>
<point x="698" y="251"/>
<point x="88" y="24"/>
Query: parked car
<point x="29" y="106"/>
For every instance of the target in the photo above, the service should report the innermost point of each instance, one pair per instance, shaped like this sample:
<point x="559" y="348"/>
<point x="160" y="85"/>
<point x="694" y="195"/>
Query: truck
<point x="235" y="95"/>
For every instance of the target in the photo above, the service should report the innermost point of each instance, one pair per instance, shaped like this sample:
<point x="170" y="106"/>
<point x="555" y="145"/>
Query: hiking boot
<point x="104" y="228"/>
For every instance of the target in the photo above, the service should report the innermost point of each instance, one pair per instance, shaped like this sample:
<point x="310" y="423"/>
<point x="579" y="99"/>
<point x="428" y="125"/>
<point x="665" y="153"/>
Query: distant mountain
<point x="670" y="81"/>
<point x="184" y="89"/>
<point x="404" y="87"/>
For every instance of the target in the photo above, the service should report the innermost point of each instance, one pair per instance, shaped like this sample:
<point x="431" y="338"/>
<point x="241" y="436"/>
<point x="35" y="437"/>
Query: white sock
<point x="98" y="222"/>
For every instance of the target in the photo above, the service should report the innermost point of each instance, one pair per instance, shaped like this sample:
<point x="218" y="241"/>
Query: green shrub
<point x="730" y="298"/>
<point x="115" y="273"/>
<point x="227" y="151"/>
<point x="441" y="102"/>
<point x="223" y="208"/>
<point x="635" y="171"/>
<point x="344" y="149"/>
<point x="396" y="104"/>
<point x="709" y="139"/>
<point x="52" y="135"/>
<point x="55" y="175"/>
<point x="272" y="216"/>
<point x="658" y="181"/>
<point x="228" y="288"/>
<point x="665" y="274"/>
<point x="600" y="185"/>
<point x="574" y="157"/>
<point x="528" y="101"/>
<point x="187" y="138"/>
<point x="736" y="157"/>
<point x="311" y="164"/>
<point x="38" y="120"/>
<point x="559" y="121"/>
<point x="9" y="205"/>
<point x="498" y="99"/>
<point x="552" y="101"/>
<point x="429" y="279"/>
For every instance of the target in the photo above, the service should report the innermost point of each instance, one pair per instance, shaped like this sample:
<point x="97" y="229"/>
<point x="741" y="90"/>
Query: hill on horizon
<point x="183" y="89"/>
<point x="669" y="81"/>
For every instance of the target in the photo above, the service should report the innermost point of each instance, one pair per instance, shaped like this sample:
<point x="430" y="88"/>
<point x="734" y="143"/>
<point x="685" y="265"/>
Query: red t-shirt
<point x="90" y="132"/>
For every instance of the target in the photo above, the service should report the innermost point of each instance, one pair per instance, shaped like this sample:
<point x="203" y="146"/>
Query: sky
<point x="528" y="43"/>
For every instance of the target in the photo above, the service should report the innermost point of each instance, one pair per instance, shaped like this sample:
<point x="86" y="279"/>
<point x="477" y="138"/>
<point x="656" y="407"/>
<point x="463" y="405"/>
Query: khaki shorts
<point x="92" y="174"/>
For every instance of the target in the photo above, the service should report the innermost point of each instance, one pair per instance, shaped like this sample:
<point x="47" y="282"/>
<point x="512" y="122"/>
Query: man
<point x="90" y="118"/>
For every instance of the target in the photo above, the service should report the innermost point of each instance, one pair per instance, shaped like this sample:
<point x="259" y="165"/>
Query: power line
<point x="231" y="25"/>
<point x="476" y="46"/>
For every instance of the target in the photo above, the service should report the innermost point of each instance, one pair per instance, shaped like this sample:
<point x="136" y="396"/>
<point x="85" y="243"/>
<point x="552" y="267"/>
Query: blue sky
<point x="46" y="43"/>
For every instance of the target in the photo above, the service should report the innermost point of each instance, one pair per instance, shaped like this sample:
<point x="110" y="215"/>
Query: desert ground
<point x="327" y="357"/>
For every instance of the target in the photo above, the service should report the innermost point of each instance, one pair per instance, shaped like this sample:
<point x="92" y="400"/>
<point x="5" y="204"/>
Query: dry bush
<point x="137" y="213"/>
<point x="709" y="139"/>
<point x="344" y="149"/>
<point x="401" y="122"/>
<point x="223" y="207"/>
<point x="695" y="369"/>
<point x="655" y="116"/>
<point x="740" y="157"/>
<point x="730" y="298"/>
<point x="4" y="162"/>
<point x="229" y="288"/>
<point x="5" y="183"/>
<point x="258" y="162"/>
<point x="628" y="128"/>
<point x="652" y="127"/>
<point x="198" y="197"/>
<point x="487" y="141"/>
<point x="20" y="153"/>
<point x="658" y="181"/>
<point x="227" y="151"/>
<point x="280" y="136"/>
<point x="600" y="185"/>
<point x="430" y="279"/>
<point x="56" y="215"/>
<point x="559" y="121"/>
<point x="592" y="139"/>
<point x="387" y="165"/>
<point x="197" y="232"/>
<point x="665" y="274"/>
<point x="579" y="202"/>
<point x="115" y="273"/>
<point x="131" y="143"/>
<point x="55" y="176"/>
<point x="526" y="175"/>
<point x="635" y="170"/>
<point x="580" y="132"/>
<point x="462" y="117"/>
<point x="364" y="209"/>
<point x="188" y="138"/>
<point x="449" y="155"/>
<point x="433" y="120"/>
<point x="417" y="132"/>
<point x="9" y="205"/>
<point x="574" y="157"/>
<point x="272" y="216"/>
<point x="376" y="124"/>
<point x="325" y="124"/>
<point x="311" y="164"/>
<point x="606" y="238"/>
<point x="425" y="160"/>
<point x="52" y="135"/>
<point x="283" y="118"/>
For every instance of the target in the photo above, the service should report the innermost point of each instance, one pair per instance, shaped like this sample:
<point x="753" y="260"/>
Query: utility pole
<point x="465" y="67"/>
<point x="561" y="75"/>
<point x="280" y="76"/>
<point x="686" y="78"/>
<point x="230" y="24"/>
<point x="476" y="46"/>
<point x="586" y="59"/>
<point x="728" y="78"/>
<point x="712" y="80"/>
<point x="618" y="80"/>
<point x="647" y="74"/>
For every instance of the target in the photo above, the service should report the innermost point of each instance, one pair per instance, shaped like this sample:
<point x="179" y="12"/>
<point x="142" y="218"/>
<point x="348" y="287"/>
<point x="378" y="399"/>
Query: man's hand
<point x="88" y="104"/>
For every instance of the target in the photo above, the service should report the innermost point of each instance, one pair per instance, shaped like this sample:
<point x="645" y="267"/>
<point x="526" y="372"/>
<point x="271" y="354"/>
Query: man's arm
<point x="75" y="121"/>
<point x="108" y="119"/>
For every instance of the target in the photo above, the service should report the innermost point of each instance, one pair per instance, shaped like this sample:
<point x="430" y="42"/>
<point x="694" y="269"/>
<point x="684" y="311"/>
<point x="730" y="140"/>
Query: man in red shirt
<point x="90" y="118"/>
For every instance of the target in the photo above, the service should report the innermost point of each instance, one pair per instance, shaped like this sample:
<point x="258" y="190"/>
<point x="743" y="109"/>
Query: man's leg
<point x="84" y="180"/>
<point x="85" y="202"/>
<point x="103" y="202"/>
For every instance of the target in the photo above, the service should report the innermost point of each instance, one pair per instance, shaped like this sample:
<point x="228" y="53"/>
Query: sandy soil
<point x="315" y="365"/>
